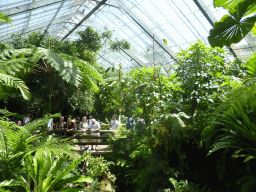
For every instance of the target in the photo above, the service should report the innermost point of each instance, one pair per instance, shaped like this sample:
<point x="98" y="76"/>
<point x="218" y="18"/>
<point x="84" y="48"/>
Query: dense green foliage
<point x="199" y="122"/>
<point x="42" y="61"/>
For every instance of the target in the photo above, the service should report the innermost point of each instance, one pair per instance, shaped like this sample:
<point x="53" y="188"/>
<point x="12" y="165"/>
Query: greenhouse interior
<point x="128" y="95"/>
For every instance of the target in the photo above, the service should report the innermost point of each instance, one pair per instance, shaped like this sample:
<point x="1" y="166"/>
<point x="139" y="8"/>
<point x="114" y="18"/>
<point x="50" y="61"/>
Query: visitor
<point x="83" y="126"/>
<point x="114" y="124"/>
<point x="61" y="125"/>
<point x="19" y="123"/>
<point x="94" y="127"/>
<point x="26" y="119"/>
<point x="140" y="120"/>
<point x="70" y="127"/>
<point x="90" y="120"/>
<point x="50" y="124"/>
<point x="77" y="121"/>
<point x="130" y="123"/>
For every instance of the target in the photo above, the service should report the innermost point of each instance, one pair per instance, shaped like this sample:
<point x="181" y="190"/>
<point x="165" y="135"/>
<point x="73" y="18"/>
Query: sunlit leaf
<point x="234" y="27"/>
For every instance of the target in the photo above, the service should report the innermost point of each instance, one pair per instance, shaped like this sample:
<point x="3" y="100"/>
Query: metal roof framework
<point x="146" y="24"/>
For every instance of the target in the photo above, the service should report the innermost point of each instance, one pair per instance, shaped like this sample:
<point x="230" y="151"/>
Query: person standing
<point x="94" y="127"/>
<point x="130" y="123"/>
<point x="114" y="124"/>
<point x="26" y="119"/>
<point x="90" y="120"/>
<point x="19" y="123"/>
<point x="70" y="127"/>
<point x="50" y="124"/>
<point x="60" y="126"/>
<point x="83" y="126"/>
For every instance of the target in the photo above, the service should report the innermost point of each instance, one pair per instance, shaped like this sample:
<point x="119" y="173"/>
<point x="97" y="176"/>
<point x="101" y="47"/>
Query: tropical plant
<point x="43" y="172"/>
<point x="183" y="186"/>
<point x="15" y="144"/>
<point x="8" y="80"/>
<point x="232" y="28"/>
<point x="251" y="66"/>
<point x="5" y="19"/>
<point x="143" y="156"/>
<point x="200" y="70"/>
<point x="43" y="68"/>
<point x="234" y="124"/>
<point x="98" y="168"/>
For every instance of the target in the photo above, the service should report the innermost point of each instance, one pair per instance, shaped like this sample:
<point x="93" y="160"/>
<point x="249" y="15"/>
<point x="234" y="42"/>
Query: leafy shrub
<point x="99" y="168"/>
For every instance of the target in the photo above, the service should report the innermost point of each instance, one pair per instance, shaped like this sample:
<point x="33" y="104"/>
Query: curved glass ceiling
<point x="146" y="24"/>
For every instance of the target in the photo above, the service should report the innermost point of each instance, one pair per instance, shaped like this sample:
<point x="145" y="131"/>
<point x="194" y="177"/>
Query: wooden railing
<point x="85" y="139"/>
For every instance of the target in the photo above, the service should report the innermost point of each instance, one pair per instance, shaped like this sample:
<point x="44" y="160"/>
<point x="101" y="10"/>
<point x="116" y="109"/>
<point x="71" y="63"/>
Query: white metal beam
<point x="212" y="19"/>
<point x="29" y="16"/>
<point x="28" y="6"/>
<point x="39" y="25"/>
<point x="85" y="18"/>
<point x="145" y="28"/>
<point x="58" y="10"/>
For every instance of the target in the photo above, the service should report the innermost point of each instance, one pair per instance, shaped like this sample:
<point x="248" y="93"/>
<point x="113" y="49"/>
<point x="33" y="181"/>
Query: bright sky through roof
<point x="180" y="22"/>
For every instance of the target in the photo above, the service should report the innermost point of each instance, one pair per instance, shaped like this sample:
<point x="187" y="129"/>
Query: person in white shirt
<point x="90" y="120"/>
<point x="83" y="125"/>
<point x="94" y="127"/>
<point x="114" y="124"/>
<point x="50" y="124"/>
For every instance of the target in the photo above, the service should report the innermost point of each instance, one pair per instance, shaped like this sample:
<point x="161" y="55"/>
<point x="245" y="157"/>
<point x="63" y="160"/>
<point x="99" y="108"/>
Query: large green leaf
<point x="234" y="27"/>
<point x="230" y="4"/>
<point x="254" y="30"/>
<point x="227" y="4"/>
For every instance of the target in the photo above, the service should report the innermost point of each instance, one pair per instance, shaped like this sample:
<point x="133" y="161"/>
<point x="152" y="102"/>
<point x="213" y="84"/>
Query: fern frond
<point x="68" y="71"/>
<point x="251" y="65"/>
<point x="88" y="72"/>
<point x="12" y="60"/>
<point x="17" y="83"/>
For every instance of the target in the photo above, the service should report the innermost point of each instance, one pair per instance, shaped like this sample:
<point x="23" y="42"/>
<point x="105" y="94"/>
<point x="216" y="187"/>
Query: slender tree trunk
<point x="194" y="104"/>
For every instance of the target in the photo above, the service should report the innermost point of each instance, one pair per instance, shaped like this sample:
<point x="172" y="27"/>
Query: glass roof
<point x="144" y="23"/>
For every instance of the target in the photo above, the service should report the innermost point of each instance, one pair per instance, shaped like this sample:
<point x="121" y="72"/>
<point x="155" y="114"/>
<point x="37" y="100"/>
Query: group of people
<point x="72" y="124"/>
<point x="19" y="122"/>
<point x="89" y="124"/>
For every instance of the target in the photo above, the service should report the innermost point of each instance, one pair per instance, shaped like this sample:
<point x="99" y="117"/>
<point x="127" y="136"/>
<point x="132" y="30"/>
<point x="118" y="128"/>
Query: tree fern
<point x="13" y="60"/>
<point x="88" y="72"/>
